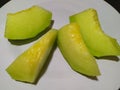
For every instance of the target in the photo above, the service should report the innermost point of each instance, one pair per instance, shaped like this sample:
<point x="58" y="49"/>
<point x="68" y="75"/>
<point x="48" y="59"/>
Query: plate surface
<point x="58" y="74"/>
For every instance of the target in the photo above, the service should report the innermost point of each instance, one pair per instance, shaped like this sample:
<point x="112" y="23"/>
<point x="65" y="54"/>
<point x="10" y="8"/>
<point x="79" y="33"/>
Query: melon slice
<point x="75" y="52"/>
<point x="28" y="65"/>
<point x="27" y="23"/>
<point x="99" y="43"/>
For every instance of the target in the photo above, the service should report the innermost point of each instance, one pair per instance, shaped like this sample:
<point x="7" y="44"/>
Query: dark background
<point x="2" y="2"/>
<point x="115" y="4"/>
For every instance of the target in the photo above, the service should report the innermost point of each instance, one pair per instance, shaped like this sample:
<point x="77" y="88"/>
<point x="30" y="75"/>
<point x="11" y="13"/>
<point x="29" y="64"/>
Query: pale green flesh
<point x="28" y="65"/>
<point x="96" y="40"/>
<point x="75" y="51"/>
<point x="27" y="23"/>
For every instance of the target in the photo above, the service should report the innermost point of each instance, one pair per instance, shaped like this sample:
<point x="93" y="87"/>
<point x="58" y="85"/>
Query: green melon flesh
<point x="28" y="65"/>
<point x="27" y="23"/>
<point x="96" y="40"/>
<point x="75" y="52"/>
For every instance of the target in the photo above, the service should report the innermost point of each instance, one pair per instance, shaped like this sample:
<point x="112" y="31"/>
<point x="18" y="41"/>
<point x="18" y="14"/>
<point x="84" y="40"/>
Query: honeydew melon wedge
<point x="27" y="23"/>
<point x="27" y="66"/>
<point x="99" y="43"/>
<point x="75" y="52"/>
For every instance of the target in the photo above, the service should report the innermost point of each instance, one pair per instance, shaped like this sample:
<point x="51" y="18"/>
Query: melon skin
<point x="99" y="43"/>
<point x="27" y="23"/>
<point x="75" y="52"/>
<point x="27" y="66"/>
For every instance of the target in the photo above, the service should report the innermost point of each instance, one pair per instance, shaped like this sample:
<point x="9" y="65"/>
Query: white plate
<point x="59" y="75"/>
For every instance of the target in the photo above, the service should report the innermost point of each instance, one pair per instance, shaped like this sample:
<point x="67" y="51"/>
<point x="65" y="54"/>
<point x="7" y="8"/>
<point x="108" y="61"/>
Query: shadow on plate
<point x="90" y="77"/>
<point x="112" y="58"/>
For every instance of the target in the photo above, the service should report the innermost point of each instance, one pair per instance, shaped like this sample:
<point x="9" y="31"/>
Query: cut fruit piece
<point x="27" y="23"/>
<point x="75" y="51"/>
<point x="28" y="65"/>
<point x="97" y="41"/>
